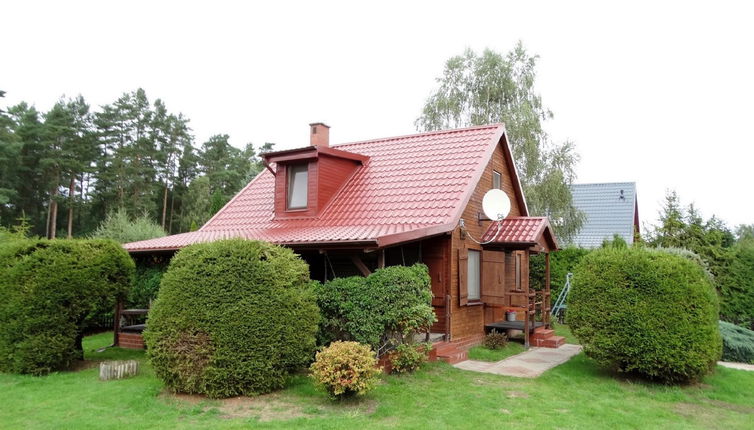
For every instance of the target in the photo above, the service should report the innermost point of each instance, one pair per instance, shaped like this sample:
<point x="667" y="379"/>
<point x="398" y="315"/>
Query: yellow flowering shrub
<point x="345" y="368"/>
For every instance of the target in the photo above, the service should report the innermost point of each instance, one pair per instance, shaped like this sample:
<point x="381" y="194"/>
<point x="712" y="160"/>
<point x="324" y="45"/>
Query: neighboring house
<point x="610" y="208"/>
<point x="353" y="208"/>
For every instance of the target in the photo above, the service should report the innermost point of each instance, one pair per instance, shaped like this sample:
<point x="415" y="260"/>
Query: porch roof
<point x="521" y="231"/>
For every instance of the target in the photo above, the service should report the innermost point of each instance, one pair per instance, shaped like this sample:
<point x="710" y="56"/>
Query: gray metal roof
<point x="607" y="213"/>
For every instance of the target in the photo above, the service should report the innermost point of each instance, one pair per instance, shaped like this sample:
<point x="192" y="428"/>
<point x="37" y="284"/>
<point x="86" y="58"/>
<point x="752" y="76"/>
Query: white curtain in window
<point x="474" y="275"/>
<point x="297" y="186"/>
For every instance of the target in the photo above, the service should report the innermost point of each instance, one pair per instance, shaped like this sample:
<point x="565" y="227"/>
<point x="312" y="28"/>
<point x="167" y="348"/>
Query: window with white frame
<point x="298" y="184"/>
<point x="474" y="275"/>
<point x="497" y="180"/>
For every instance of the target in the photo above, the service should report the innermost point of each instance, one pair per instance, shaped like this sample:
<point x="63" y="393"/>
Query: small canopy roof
<point x="521" y="232"/>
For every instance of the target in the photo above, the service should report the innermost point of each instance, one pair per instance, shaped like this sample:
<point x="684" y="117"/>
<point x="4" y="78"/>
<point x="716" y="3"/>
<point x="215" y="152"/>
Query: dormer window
<point x="307" y="178"/>
<point x="298" y="184"/>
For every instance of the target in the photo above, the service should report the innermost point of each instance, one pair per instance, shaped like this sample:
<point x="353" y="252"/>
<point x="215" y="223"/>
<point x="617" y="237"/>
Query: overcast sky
<point x="660" y="93"/>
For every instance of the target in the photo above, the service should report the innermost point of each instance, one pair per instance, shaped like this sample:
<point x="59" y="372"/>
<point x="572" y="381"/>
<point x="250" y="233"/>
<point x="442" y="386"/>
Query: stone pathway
<point x="529" y="364"/>
<point x="739" y="366"/>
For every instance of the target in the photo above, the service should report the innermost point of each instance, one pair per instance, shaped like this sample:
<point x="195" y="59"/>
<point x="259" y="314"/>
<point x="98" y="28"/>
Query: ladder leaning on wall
<point x="559" y="308"/>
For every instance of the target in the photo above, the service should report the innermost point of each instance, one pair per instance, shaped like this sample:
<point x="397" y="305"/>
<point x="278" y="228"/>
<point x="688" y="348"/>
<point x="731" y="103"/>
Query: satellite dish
<point x="496" y="204"/>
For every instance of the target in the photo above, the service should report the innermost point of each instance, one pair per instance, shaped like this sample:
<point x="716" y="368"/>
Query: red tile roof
<point x="411" y="187"/>
<point x="520" y="230"/>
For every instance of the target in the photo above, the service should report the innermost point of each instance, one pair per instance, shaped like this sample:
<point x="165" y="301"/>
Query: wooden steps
<point x="546" y="338"/>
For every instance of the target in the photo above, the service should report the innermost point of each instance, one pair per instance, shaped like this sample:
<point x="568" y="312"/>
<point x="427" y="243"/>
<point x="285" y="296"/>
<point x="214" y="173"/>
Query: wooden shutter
<point x="493" y="277"/>
<point x="463" y="277"/>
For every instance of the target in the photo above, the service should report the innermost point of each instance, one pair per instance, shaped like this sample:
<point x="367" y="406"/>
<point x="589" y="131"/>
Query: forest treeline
<point x="63" y="171"/>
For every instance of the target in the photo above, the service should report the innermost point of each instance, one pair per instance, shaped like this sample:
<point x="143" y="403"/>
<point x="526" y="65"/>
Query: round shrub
<point x="49" y="291"/>
<point x="345" y="369"/>
<point x="646" y="312"/>
<point x="232" y="317"/>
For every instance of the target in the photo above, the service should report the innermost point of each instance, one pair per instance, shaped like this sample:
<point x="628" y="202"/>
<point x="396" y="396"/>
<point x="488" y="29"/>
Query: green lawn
<point x="573" y="395"/>
<point x="483" y="354"/>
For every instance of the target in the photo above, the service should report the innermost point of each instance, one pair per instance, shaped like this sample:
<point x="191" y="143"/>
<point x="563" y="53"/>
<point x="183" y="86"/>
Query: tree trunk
<point x="172" y="206"/>
<point x="164" y="204"/>
<point x="71" y="192"/>
<point x="47" y="224"/>
<point x="53" y="216"/>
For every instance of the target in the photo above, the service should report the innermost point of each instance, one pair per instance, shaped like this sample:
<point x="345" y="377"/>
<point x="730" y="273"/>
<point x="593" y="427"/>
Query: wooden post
<point x="360" y="265"/>
<point x="528" y="307"/>
<point x="381" y="259"/>
<point x="547" y="299"/>
<point x="116" y="323"/>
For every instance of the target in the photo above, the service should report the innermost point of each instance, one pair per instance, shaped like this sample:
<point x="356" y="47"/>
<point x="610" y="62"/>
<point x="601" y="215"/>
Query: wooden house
<point x="353" y="208"/>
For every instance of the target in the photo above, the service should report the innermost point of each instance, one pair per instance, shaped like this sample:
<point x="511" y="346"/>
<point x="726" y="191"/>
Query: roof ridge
<point x="605" y="183"/>
<point x="424" y="133"/>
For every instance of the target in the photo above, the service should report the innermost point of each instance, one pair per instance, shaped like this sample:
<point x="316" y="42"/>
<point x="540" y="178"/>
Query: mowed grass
<point x="573" y="395"/>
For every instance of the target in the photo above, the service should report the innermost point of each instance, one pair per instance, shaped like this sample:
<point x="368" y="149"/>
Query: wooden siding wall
<point x="468" y="321"/>
<point x="326" y="176"/>
<point x="333" y="174"/>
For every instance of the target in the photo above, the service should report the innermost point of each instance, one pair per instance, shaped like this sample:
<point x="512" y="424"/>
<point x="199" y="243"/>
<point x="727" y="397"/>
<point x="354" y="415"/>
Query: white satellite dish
<point x="496" y="204"/>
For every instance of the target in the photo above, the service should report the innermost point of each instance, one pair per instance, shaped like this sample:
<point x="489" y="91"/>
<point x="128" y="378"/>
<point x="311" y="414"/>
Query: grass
<point x="573" y="395"/>
<point x="485" y="354"/>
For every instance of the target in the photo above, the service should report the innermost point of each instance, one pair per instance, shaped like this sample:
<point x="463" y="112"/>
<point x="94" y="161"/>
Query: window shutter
<point x="463" y="277"/>
<point x="493" y="277"/>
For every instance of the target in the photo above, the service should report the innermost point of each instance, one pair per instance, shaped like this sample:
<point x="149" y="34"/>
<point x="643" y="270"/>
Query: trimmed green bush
<point x="408" y="357"/>
<point x="345" y="369"/>
<point x="736" y="284"/>
<point x="381" y="310"/>
<point x="738" y="343"/>
<point x="232" y="317"/>
<point x="49" y="291"/>
<point x="646" y="312"/>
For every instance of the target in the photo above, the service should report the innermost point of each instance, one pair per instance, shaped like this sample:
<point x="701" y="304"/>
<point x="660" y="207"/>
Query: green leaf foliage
<point x="49" y="289"/>
<point x="232" y="317"/>
<point x="492" y="87"/>
<point x="738" y="343"/>
<point x="146" y="284"/>
<point x="736" y="285"/>
<point x="120" y="227"/>
<point x="646" y="312"/>
<point x="381" y="310"/>
<point x="345" y="369"/>
<point x="561" y="263"/>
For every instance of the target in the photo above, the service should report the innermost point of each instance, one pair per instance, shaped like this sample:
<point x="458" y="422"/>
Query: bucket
<point x="510" y="315"/>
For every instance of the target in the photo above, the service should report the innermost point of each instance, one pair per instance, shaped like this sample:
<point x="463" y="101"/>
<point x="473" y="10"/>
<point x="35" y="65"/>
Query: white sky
<point x="660" y="93"/>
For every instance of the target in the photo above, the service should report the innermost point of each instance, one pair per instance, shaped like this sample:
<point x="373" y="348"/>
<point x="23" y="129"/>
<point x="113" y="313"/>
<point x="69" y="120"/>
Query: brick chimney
<point x="320" y="134"/>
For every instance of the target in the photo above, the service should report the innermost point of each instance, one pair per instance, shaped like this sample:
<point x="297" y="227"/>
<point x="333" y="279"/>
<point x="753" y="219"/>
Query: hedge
<point x="232" y="317"/>
<point x="49" y="291"/>
<point x="738" y="343"/>
<point x="382" y="310"/>
<point x="736" y="284"/>
<point x="646" y="312"/>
